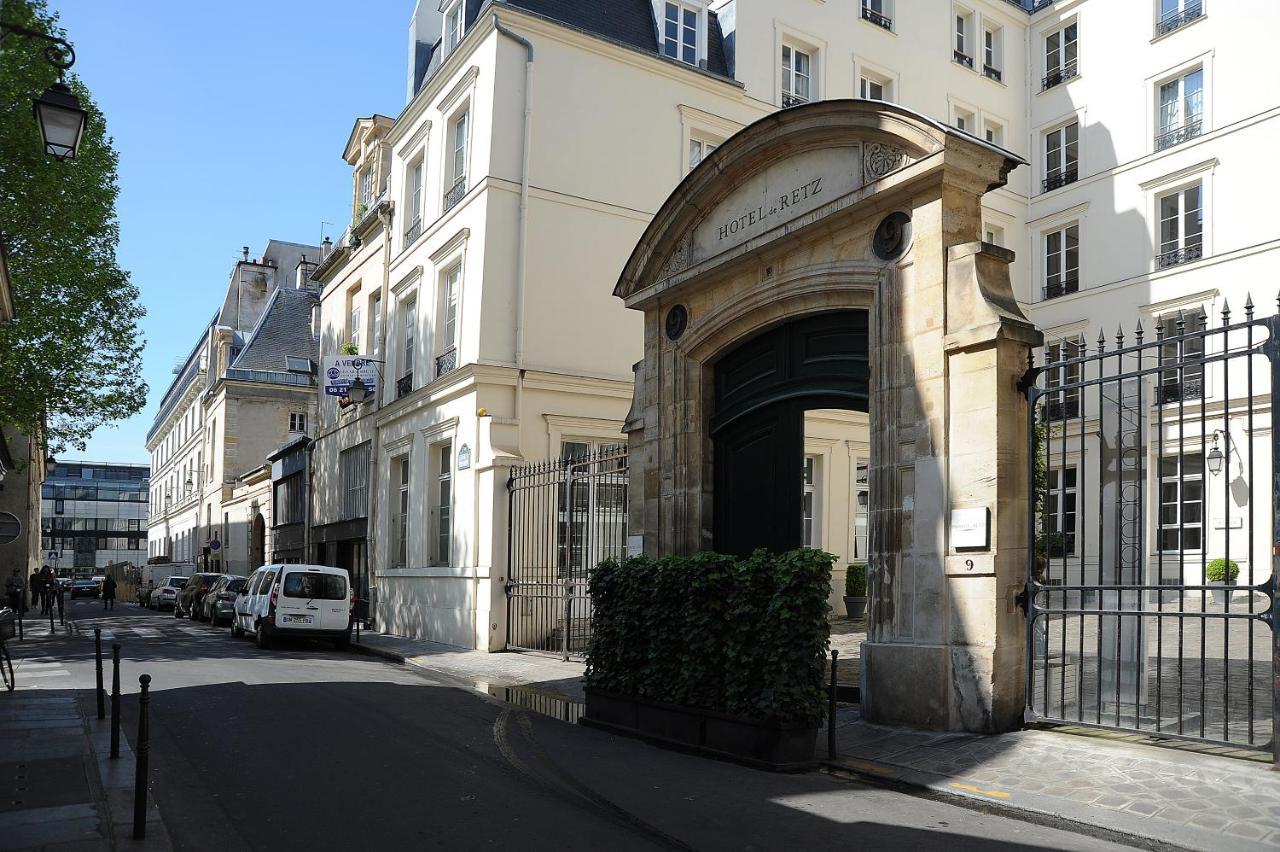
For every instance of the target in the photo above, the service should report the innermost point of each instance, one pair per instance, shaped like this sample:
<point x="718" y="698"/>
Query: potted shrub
<point x="1222" y="572"/>
<point x="855" y="590"/>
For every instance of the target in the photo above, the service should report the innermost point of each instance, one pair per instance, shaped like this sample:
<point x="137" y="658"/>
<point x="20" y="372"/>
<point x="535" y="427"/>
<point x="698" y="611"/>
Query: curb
<point x="1040" y="810"/>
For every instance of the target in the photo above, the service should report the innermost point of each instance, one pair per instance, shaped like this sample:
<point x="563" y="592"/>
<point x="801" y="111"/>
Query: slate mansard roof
<point x="283" y="332"/>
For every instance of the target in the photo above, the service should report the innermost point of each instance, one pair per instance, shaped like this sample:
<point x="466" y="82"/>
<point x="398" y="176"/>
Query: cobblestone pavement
<point x="847" y="636"/>
<point x="1183" y="798"/>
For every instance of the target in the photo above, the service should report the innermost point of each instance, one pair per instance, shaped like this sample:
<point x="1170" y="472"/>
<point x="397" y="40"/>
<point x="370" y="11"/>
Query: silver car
<point x="165" y="596"/>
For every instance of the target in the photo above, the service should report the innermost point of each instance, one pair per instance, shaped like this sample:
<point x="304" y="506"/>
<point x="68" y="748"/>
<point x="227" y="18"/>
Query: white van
<point x="306" y="601"/>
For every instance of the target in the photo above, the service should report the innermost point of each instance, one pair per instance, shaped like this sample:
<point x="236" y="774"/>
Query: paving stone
<point x="1213" y="821"/>
<point x="1145" y="808"/>
<point x="1247" y="830"/>
<point x="1113" y="802"/>
<point x="1272" y="839"/>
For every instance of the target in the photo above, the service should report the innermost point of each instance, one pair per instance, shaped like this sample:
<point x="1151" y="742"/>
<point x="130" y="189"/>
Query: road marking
<point x="107" y="634"/>
<point x="193" y="631"/>
<point x="32" y="664"/>
<point x="26" y="673"/>
<point x="969" y="788"/>
<point x="147" y="633"/>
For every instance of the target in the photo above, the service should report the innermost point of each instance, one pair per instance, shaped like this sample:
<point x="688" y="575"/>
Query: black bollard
<point x="22" y="613"/>
<point x="831" y="709"/>
<point x="115" y="699"/>
<point x="97" y="650"/>
<point x="140" y="761"/>
<point x="50" y="619"/>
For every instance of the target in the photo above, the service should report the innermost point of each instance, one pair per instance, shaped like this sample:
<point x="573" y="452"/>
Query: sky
<point x="230" y="119"/>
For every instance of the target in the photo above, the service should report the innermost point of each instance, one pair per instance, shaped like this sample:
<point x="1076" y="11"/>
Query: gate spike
<point x="1119" y="337"/>
<point x="1137" y="333"/>
<point x="1204" y="319"/>
<point x="1102" y="339"/>
<point x="1159" y="331"/>
<point x="1182" y="323"/>
<point x="1248" y="306"/>
<point x="1226" y="312"/>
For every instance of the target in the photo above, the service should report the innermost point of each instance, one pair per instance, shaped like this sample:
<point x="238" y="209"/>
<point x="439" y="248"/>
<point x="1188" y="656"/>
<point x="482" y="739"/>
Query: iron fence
<point x="1151" y="590"/>
<point x="566" y="516"/>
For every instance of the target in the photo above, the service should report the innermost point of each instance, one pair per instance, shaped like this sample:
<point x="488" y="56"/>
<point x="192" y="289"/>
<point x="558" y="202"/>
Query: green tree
<point x="71" y="360"/>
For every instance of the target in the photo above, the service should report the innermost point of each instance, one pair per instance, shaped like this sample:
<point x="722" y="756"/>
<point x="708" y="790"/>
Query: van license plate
<point x="298" y="619"/>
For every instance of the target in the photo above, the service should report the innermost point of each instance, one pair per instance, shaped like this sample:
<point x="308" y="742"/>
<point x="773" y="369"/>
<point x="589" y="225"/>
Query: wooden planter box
<point x="776" y="746"/>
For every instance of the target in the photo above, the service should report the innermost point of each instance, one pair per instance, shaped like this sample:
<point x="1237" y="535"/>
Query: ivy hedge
<point x="739" y="635"/>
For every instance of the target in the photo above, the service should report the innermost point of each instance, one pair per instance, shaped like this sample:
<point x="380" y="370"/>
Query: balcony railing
<point x="1164" y="260"/>
<point x="876" y="18"/>
<point x="446" y="363"/>
<point x="413" y="231"/>
<point x="274" y="377"/>
<point x="1176" y="19"/>
<point x="1190" y="388"/>
<point x="1058" y="75"/>
<point x="992" y="72"/>
<point x="454" y="195"/>
<point x="790" y="100"/>
<point x="963" y="58"/>
<point x="1061" y="288"/>
<point x="1063" y="408"/>
<point x="404" y="385"/>
<point x="1059" y="178"/>
<point x="1170" y="136"/>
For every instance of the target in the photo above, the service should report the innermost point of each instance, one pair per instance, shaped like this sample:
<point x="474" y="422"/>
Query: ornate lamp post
<point x="57" y="111"/>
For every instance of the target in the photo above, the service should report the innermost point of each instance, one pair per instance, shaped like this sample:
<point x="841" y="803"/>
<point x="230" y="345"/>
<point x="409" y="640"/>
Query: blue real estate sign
<point x="341" y="370"/>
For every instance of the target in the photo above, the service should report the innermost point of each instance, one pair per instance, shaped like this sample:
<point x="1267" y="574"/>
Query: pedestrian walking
<point x="46" y="589"/>
<point x="109" y="592"/>
<point x="34" y="590"/>
<point x="13" y="589"/>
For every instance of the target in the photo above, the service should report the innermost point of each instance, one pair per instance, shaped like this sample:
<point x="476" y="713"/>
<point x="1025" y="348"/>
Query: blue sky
<point x="230" y="119"/>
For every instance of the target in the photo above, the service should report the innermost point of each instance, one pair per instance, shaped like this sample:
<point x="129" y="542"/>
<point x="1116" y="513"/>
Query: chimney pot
<point x="245" y="249"/>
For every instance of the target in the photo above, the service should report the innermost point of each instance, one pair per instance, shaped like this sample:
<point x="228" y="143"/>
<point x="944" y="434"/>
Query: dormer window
<point x="453" y="25"/>
<point x="680" y="32"/>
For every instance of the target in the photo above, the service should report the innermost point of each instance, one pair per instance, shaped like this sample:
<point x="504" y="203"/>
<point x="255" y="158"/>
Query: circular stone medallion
<point x="893" y="236"/>
<point x="677" y="322"/>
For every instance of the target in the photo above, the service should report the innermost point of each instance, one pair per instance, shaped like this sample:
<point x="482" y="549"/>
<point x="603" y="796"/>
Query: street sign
<point x="215" y="545"/>
<point x="341" y="370"/>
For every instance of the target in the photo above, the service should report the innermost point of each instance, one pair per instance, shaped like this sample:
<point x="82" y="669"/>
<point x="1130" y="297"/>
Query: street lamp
<point x="358" y="391"/>
<point x="58" y="111"/>
<point x="50" y="466"/>
<point x="1216" y="457"/>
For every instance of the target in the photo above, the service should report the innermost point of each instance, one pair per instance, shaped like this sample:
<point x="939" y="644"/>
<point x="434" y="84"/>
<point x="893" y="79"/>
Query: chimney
<point x="245" y="249"/>
<point x="326" y="248"/>
<point x="304" y="270"/>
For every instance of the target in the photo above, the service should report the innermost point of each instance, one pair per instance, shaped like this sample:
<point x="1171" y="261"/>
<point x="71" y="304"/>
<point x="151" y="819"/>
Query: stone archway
<point x="257" y="542"/>
<point x="856" y="206"/>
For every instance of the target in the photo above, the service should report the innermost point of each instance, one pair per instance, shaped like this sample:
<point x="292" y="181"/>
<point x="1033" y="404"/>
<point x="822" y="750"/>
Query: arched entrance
<point x="762" y="390"/>
<point x="829" y="255"/>
<point x="258" y="542"/>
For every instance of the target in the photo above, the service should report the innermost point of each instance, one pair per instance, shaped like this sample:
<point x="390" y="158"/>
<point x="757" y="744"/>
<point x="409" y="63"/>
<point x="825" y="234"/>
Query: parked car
<point x="192" y="595"/>
<point x="220" y="602"/>
<point x="84" y="586"/>
<point x="165" y="596"/>
<point x="304" y="601"/>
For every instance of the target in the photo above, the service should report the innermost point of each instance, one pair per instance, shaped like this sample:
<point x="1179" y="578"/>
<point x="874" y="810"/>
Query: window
<point x="453" y="26"/>
<point x="1063" y="404"/>
<point x="317" y="586"/>
<point x="808" y="503"/>
<point x="965" y="121"/>
<point x="991" y="60"/>
<point x="1059" y="56"/>
<point x="375" y="316"/>
<point x="993" y="234"/>
<point x="414" y="202"/>
<point x="447" y="342"/>
<point x="353" y="319"/>
<point x="1183" y="379"/>
<point x="1181" y="502"/>
<point x="298" y="421"/>
<point x="1061" y="156"/>
<point x="699" y="150"/>
<point x="1177" y="13"/>
<point x="878" y="12"/>
<point x="994" y="132"/>
<point x="796" y="76"/>
<point x="400" y="512"/>
<point x="457" y="161"/>
<point x="873" y="86"/>
<point x="680" y="33"/>
<point x="290" y="506"/>
<point x="1062" y="261"/>
<point x="353" y="465"/>
<point x="366" y="191"/>
<point x="442" y="503"/>
<point x="1181" y="109"/>
<point x="861" y="509"/>
<point x="1181" y="227"/>
<point x="408" y="329"/>
<point x="963" y="50"/>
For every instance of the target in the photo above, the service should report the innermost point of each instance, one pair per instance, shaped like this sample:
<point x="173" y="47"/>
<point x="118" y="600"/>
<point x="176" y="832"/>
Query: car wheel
<point x="236" y="630"/>
<point x="262" y="637"/>
<point x="177" y="611"/>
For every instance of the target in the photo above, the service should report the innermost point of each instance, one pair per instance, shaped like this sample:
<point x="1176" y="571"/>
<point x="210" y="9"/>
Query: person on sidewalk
<point x="35" y="591"/>
<point x="57" y="596"/>
<point x="109" y="592"/>
<point x="47" y="581"/>
<point x="13" y="588"/>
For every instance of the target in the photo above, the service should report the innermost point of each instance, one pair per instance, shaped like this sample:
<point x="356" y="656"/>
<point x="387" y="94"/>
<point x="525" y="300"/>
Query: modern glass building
<point x="95" y="514"/>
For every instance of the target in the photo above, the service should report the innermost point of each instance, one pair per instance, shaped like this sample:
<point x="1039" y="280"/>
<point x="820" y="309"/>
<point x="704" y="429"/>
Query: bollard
<point x="115" y="699"/>
<point x="97" y="650"/>
<point x="51" y="619"/>
<point x="140" y="761"/>
<point x="22" y="613"/>
<point x="831" y="709"/>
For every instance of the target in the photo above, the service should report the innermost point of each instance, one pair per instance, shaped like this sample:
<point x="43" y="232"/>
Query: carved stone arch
<point x="778" y="228"/>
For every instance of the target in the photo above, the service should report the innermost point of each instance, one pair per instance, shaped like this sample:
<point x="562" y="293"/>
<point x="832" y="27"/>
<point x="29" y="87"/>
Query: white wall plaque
<point x="635" y="545"/>
<point x="971" y="529"/>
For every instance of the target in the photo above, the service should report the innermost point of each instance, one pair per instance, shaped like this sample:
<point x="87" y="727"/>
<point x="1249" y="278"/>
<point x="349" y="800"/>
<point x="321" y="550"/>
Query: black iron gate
<point x="1152" y="587"/>
<point x="566" y="516"/>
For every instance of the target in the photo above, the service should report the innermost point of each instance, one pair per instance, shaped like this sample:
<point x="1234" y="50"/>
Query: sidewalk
<point x="1169" y="795"/>
<point x="66" y="792"/>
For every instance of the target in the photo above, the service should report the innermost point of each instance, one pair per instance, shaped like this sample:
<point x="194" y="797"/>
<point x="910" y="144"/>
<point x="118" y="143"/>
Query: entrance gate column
<point x="833" y="208"/>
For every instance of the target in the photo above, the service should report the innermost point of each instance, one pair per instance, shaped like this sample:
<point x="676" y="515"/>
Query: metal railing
<point x="274" y="377"/>
<point x="883" y="21"/>
<point x="455" y="194"/>
<point x="1170" y="136"/>
<point x="1060" y="178"/>
<point x="963" y="58"/>
<point x="992" y="72"/>
<point x="1057" y="76"/>
<point x="404" y="385"/>
<point x="446" y="363"/>
<point x="566" y="516"/>
<point x="1144" y="614"/>
<point x="1061" y="288"/>
<point x="1176" y="19"/>
<point x="1178" y="256"/>
<point x="413" y="231"/>
<point x="790" y="100"/>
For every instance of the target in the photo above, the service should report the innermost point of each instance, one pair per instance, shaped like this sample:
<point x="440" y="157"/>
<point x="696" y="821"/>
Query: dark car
<point x="191" y="596"/>
<point x="84" y="586"/>
<point x="220" y="602"/>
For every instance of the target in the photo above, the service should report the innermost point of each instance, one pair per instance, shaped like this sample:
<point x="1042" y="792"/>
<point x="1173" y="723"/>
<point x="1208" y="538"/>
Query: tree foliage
<point x="71" y="360"/>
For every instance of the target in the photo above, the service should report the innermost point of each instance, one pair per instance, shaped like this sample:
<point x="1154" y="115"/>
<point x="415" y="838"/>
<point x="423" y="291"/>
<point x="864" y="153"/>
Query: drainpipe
<point x="521" y="250"/>
<point x="375" y="442"/>
<point x="306" y="505"/>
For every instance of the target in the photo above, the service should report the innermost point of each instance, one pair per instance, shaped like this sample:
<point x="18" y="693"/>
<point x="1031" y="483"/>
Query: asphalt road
<point x="305" y="748"/>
